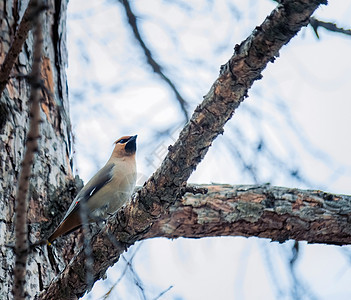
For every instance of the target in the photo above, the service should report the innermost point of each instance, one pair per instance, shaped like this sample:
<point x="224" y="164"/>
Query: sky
<point x="299" y="112"/>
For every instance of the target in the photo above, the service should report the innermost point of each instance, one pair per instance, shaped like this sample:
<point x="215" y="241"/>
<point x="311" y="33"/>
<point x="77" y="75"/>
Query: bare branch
<point x="83" y="212"/>
<point x="21" y="246"/>
<point x="315" y="23"/>
<point x="26" y="24"/>
<point x="132" y="20"/>
<point x="160" y="193"/>
<point x="298" y="288"/>
<point x="254" y="210"/>
<point x="128" y="263"/>
<point x="163" y="292"/>
<point x="265" y="211"/>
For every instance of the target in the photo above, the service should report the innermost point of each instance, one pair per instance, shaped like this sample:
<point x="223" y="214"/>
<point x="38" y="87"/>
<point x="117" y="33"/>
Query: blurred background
<point x="141" y="67"/>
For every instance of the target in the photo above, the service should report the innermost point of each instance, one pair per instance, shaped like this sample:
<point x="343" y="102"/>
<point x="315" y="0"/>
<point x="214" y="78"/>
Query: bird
<point x="105" y="192"/>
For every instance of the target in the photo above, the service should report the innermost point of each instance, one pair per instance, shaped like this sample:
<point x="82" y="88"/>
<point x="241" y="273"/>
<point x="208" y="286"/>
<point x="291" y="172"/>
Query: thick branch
<point x="276" y="213"/>
<point x="167" y="184"/>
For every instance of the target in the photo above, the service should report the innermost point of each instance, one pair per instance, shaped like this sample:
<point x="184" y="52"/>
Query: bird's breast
<point x="115" y="194"/>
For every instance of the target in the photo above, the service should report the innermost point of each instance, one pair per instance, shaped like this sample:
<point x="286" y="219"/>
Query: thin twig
<point x="21" y="246"/>
<point x="21" y="35"/>
<point x="128" y="263"/>
<point x="163" y="292"/>
<point x="132" y="20"/>
<point x="89" y="261"/>
<point x="136" y="279"/>
<point x="298" y="288"/>
<point x="327" y="25"/>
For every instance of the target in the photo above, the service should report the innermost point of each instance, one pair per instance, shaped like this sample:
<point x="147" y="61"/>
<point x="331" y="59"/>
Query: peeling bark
<point x="161" y="193"/>
<point x="264" y="211"/>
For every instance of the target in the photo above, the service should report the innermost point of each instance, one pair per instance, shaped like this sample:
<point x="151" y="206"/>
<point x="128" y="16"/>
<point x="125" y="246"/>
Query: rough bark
<point x="51" y="169"/>
<point x="168" y="184"/>
<point x="19" y="38"/>
<point x="264" y="211"/>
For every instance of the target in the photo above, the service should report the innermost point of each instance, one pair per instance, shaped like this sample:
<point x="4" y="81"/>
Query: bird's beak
<point x="131" y="144"/>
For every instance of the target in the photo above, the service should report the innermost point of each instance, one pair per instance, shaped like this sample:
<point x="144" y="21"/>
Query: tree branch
<point x="167" y="184"/>
<point x="132" y="20"/>
<point x="315" y="23"/>
<point x="264" y="211"/>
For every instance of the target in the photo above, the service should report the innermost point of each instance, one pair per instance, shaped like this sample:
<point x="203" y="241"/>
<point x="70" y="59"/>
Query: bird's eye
<point x="122" y="141"/>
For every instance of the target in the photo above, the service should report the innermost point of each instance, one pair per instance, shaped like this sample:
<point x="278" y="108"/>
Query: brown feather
<point x="69" y="224"/>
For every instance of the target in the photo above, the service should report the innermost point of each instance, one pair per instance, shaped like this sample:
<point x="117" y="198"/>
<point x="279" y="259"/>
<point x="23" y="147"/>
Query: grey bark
<point x="52" y="169"/>
<point x="276" y="213"/>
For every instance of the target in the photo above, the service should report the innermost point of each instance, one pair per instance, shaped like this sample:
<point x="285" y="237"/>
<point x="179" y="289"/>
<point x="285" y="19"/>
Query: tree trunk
<point x="52" y="170"/>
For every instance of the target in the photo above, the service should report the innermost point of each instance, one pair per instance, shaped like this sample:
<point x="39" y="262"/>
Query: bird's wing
<point x="100" y="179"/>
